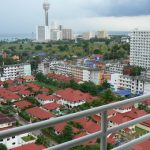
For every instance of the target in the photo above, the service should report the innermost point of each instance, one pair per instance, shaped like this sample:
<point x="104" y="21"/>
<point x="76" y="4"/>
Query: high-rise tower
<point x="46" y="6"/>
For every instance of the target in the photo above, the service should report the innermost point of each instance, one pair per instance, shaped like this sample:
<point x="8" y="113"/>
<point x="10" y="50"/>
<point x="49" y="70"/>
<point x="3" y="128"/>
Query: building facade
<point x="140" y="49"/>
<point x="15" y="71"/>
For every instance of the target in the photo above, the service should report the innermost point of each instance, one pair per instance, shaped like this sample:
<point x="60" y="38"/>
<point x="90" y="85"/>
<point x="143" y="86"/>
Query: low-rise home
<point x="13" y="89"/>
<point x="59" y="128"/>
<point x="52" y="106"/>
<point x="6" y="122"/>
<point x="10" y="82"/>
<point x="113" y="138"/>
<point x="39" y="113"/>
<point x="8" y="96"/>
<point x="73" y="98"/>
<point x="25" y="93"/>
<point x="119" y="119"/>
<point x="22" y="105"/>
<point x="31" y="146"/>
<point x="29" y="78"/>
<point x="45" y="99"/>
<point x="19" y="80"/>
<point x="34" y="87"/>
<point x="124" y="109"/>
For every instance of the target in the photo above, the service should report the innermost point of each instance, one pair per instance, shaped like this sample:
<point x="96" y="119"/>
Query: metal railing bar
<point x="133" y="142"/>
<point x="51" y="122"/>
<point x="96" y="135"/>
<point x="76" y="142"/>
<point x="104" y="125"/>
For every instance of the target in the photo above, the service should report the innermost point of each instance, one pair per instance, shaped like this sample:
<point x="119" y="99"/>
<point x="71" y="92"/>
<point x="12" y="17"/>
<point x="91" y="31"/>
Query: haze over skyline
<point x="81" y="15"/>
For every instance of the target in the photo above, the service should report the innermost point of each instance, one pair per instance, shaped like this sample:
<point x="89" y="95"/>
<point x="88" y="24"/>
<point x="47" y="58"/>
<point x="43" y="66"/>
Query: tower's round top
<point x="46" y="2"/>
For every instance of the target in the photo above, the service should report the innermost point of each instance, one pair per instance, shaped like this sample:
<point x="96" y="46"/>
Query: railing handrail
<point x="52" y="122"/>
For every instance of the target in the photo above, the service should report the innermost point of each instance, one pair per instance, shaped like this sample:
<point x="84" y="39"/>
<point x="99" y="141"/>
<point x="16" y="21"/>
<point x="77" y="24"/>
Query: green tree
<point x="42" y="140"/>
<point x="3" y="147"/>
<point x="5" y="85"/>
<point x="38" y="47"/>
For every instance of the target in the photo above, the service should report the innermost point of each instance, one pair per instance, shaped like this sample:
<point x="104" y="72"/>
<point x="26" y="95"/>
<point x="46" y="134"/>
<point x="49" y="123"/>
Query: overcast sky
<point x="22" y="16"/>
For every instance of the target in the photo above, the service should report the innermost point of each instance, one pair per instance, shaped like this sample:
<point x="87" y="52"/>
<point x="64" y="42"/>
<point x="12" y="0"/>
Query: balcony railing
<point x="100" y="134"/>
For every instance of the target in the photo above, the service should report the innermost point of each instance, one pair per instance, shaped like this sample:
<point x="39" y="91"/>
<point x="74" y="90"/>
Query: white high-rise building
<point x="43" y="33"/>
<point x="140" y="48"/>
<point x="56" y="35"/>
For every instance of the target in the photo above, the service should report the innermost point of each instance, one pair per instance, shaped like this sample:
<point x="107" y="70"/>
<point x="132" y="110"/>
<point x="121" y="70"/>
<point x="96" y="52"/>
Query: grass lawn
<point x="54" y="88"/>
<point x="28" y="138"/>
<point x="140" y="131"/>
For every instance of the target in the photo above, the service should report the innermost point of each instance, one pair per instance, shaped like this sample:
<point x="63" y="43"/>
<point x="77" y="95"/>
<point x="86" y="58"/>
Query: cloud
<point x="120" y="7"/>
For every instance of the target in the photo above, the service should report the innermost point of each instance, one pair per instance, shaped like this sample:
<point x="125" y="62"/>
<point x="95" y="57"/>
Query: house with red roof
<point x="59" y="128"/>
<point x="119" y="119"/>
<point x="45" y="99"/>
<point x="25" y="93"/>
<point x="6" y="96"/>
<point x="39" y="113"/>
<point x="29" y="78"/>
<point x="22" y="105"/>
<point x="52" y="106"/>
<point x="73" y="98"/>
<point x="31" y="146"/>
<point x="124" y="109"/>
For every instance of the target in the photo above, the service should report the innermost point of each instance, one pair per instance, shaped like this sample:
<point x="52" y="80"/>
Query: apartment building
<point x="140" y="48"/>
<point x="135" y="84"/>
<point x="88" y="35"/>
<point x="15" y="71"/>
<point x="116" y="68"/>
<point x="67" y="34"/>
<point x="102" y="34"/>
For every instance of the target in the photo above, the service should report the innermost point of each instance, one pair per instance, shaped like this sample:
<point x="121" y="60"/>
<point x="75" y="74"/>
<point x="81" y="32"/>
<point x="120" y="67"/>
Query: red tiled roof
<point x="8" y="95"/>
<point x="142" y="146"/>
<point x="96" y="118"/>
<point x="74" y="95"/>
<point x="9" y="81"/>
<point x="119" y="119"/>
<point x="12" y="88"/>
<point x="52" y="106"/>
<point x="39" y="113"/>
<point x="60" y="127"/>
<point x="91" y="127"/>
<point x="29" y="147"/>
<point x="45" y="97"/>
<point x="61" y="77"/>
<point x="23" y="104"/>
<point x="25" y="92"/>
<point x="147" y="101"/>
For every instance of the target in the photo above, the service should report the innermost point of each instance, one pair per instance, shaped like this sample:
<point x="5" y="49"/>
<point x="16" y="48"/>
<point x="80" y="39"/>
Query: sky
<point x="22" y="16"/>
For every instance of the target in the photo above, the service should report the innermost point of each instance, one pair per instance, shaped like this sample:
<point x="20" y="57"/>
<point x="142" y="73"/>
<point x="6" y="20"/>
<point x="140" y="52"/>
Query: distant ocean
<point x="13" y="37"/>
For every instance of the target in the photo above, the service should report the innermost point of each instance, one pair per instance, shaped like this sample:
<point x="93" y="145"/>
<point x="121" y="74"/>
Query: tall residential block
<point x="67" y="34"/>
<point x="140" y="48"/>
